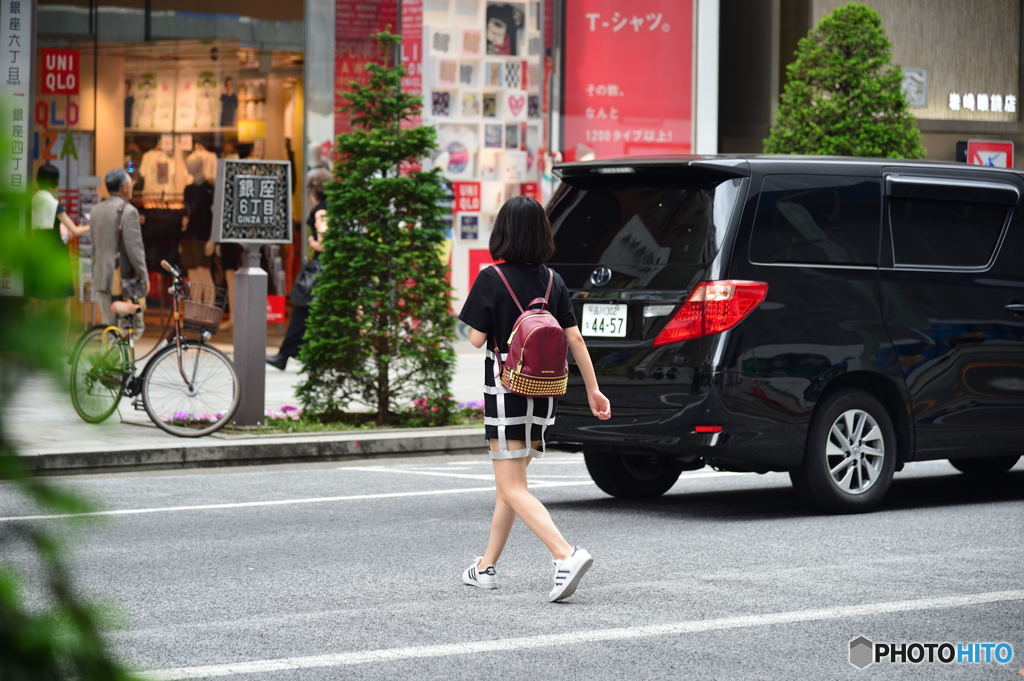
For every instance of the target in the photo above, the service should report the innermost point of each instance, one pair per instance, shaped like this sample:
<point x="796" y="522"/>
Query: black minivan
<point x="831" y="317"/>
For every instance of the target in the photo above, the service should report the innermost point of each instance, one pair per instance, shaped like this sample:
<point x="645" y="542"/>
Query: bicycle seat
<point x="123" y="308"/>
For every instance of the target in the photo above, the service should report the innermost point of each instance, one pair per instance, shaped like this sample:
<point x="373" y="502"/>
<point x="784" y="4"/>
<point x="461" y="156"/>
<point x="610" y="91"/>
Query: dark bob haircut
<point x="48" y="176"/>
<point x="522" y="233"/>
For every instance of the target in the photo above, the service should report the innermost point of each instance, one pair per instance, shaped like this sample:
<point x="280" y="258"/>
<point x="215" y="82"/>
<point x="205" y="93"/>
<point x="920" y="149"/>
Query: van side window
<point x="944" y="233"/>
<point x="819" y="219"/>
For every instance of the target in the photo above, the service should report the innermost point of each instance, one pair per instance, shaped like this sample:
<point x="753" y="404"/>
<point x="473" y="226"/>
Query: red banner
<point x="355" y="22"/>
<point x="359" y="19"/>
<point x="59" y="72"/>
<point x="628" y="78"/>
<point x="275" y="309"/>
<point x="412" y="53"/>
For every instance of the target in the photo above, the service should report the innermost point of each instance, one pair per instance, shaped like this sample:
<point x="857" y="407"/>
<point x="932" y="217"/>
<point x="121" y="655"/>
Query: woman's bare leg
<point x="510" y="481"/>
<point x="201" y="275"/>
<point x="501" y="525"/>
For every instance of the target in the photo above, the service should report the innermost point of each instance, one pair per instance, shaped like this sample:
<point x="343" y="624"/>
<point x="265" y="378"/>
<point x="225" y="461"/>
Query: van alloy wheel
<point x="850" y="454"/>
<point x="855" y="451"/>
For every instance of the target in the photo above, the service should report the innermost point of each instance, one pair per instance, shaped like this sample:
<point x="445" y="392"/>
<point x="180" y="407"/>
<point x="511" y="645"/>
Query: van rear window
<point x="817" y="219"/>
<point x="641" y="225"/>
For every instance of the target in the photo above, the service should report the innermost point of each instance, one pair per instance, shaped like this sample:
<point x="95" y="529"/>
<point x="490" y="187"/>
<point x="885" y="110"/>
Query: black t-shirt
<point x="490" y="309"/>
<point x="199" y="209"/>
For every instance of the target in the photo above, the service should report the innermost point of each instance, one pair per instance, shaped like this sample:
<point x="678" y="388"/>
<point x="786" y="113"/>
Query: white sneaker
<point x="569" y="572"/>
<point x="485" y="579"/>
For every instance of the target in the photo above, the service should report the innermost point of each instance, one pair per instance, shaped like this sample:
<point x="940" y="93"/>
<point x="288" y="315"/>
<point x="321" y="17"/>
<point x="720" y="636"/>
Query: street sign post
<point x="252" y="206"/>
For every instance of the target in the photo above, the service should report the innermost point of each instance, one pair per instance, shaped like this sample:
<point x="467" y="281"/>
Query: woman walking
<point x="515" y="425"/>
<point x="302" y="289"/>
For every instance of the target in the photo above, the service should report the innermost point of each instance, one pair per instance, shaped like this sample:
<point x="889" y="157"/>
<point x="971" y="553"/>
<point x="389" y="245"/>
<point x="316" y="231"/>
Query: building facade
<point x="511" y="86"/>
<point x="961" y="63"/>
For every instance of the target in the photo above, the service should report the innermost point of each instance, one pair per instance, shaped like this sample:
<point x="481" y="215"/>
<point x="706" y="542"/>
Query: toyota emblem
<point x="600" y="276"/>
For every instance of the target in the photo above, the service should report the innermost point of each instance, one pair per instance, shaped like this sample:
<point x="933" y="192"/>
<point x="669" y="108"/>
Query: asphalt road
<point x="351" y="571"/>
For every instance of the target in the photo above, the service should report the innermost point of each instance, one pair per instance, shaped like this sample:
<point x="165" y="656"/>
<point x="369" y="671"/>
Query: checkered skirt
<point x="507" y="416"/>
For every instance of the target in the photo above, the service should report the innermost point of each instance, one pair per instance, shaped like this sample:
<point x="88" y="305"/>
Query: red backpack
<point x="537" y="363"/>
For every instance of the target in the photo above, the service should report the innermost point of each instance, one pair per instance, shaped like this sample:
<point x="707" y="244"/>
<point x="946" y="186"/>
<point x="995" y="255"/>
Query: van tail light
<point x="713" y="307"/>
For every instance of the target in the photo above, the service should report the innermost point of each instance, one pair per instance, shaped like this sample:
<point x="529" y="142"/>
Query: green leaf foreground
<point x="843" y="97"/>
<point x="60" y="636"/>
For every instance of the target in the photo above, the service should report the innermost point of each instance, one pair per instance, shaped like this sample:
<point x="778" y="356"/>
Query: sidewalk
<point x="50" y="434"/>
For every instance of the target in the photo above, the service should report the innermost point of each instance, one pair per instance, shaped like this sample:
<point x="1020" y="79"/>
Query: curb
<point x="264" y="449"/>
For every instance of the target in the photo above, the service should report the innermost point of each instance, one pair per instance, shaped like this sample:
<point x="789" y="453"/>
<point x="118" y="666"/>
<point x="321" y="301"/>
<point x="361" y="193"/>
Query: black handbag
<point x="302" y="289"/>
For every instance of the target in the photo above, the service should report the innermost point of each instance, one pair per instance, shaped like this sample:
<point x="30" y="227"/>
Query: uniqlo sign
<point x="628" y="74"/>
<point x="467" y="197"/>
<point x="60" y="71"/>
<point x="992" y="153"/>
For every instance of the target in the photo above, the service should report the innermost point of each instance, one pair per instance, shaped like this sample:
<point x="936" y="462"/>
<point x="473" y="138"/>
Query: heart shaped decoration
<point x="515" y="104"/>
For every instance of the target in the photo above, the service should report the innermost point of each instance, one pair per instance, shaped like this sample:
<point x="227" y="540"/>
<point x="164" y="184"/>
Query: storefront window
<point x="165" y="93"/>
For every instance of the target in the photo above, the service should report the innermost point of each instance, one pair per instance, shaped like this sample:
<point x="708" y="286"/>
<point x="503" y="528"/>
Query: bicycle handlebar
<point x="171" y="269"/>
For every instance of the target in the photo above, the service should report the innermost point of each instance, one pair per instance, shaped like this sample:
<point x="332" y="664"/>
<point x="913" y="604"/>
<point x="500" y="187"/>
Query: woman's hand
<point x="315" y="244"/>
<point x="208" y="248"/>
<point x="599" y="405"/>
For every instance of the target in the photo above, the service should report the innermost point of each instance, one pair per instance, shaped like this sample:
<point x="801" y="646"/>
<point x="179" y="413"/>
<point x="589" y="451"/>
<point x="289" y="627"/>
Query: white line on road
<point x="278" y="502"/>
<point x="580" y="637"/>
<point x="381" y="469"/>
<point x="540" y="474"/>
<point x="538" y="483"/>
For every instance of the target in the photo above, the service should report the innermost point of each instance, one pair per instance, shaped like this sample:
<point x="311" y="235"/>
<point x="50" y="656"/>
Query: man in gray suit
<point x="115" y="214"/>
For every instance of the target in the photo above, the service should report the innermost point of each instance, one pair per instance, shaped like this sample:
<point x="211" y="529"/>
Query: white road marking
<point x="381" y="469"/>
<point x="538" y="482"/>
<point x="277" y="502"/>
<point x="580" y="637"/>
<point x="538" y="476"/>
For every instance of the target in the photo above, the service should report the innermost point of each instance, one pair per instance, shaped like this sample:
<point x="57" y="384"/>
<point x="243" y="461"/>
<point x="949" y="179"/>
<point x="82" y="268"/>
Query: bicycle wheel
<point x="99" y="366"/>
<point x="197" y="407"/>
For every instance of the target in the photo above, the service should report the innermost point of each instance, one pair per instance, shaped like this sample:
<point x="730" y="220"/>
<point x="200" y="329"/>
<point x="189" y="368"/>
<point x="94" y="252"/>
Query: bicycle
<point x="188" y="388"/>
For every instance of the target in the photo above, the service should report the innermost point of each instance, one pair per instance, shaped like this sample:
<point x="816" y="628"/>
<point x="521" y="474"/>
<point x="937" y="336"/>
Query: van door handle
<point x="1016" y="308"/>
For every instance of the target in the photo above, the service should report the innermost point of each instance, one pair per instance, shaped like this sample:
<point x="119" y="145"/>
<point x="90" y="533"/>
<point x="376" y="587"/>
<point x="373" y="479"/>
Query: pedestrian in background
<point x="514" y="425"/>
<point x="196" y="226"/>
<point x="117" y="246"/>
<point x="302" y="289"/>
<point x="50" y="221"/>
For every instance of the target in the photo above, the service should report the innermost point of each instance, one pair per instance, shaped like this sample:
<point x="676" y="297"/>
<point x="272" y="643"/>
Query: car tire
<point x="989" y="465"/>
<point x="850" y="454"/>
<point x="632" y="476"/>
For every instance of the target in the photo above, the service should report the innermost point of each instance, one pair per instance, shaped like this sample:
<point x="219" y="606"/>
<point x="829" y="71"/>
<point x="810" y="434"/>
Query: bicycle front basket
<point x="204" y="306"/>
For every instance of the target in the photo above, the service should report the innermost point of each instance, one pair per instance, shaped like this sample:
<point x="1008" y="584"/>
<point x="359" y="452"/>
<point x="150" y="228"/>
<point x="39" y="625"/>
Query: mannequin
<point x="195" y="247"/>
<point x="157" y="169"/>
<point x="209" y="160"/>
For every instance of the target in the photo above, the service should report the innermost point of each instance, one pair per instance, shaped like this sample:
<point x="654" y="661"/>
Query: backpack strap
<point x="509" y="287"/>
<point x="551" y="280"/>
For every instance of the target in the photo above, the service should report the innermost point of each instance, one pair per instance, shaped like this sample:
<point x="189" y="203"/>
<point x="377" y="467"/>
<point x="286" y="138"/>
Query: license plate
<point x="604" y="320"/>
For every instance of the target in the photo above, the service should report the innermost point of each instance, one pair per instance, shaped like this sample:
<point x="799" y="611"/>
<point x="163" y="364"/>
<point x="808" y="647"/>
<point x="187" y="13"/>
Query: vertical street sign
<point x="252" y="205"/>
<point x="16" y="18"/>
